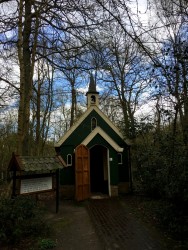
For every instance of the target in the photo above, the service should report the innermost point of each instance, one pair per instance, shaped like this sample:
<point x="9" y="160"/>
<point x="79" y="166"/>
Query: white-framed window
<point x="120" y="159"/>
<point x="93" y="123"/>
<point x="69" y="160"/>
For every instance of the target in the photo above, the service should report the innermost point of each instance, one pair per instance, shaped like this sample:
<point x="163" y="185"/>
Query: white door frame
<point x="108" y="166"/>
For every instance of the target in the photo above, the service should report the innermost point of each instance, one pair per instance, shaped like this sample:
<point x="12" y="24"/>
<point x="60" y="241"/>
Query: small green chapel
<point x="96" y="154"/>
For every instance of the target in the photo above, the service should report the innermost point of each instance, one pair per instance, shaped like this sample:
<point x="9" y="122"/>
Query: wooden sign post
<point x="32" y="175"/>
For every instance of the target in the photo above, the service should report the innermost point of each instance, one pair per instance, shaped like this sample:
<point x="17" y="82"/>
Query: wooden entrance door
<point x="82" y="173"/>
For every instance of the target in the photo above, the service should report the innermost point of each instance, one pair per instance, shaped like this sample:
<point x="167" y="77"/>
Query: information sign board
<point x="35" y="185"/>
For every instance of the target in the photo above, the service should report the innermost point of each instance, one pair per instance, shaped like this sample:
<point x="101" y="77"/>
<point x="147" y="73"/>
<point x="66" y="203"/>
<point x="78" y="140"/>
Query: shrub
<point x="20" y="217"/>
<point x="173" y="218"/>
<point x="46" y="244"/>
<point x="162" y="172"/>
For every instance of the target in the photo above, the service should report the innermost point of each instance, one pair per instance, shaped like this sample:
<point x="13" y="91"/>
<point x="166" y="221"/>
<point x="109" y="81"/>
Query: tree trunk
<point x="73" y="105"/>
<point x="38" y="125"/>
<point x="25" y="77"/>
<point x="26" y="63"/>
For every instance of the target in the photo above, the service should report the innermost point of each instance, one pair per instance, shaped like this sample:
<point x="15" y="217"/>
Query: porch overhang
<point x="106" y="137"/>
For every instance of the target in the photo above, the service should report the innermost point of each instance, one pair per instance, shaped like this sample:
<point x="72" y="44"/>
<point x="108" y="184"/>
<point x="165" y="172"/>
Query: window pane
<point x="120" y="158"/>
<point x="93" y="123"/>
<point x="69" y="160"/>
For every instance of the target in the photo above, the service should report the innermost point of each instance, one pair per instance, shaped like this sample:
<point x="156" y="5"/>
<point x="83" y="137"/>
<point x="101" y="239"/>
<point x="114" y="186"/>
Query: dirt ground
<point x="73" y="229"/>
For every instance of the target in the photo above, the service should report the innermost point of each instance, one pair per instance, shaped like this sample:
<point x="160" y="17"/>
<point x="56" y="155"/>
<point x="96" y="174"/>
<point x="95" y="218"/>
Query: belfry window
<point x="69" y="160"/>
<point x="93" y="123"/>
<point x="93" y="99"/>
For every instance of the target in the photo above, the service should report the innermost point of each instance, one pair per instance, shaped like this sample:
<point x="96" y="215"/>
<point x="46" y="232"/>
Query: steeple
<point x="92" y="85"/>
<point x="92" y="94"/>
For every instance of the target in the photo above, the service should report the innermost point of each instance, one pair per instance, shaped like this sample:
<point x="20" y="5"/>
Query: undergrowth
<point x="20" y="218"/>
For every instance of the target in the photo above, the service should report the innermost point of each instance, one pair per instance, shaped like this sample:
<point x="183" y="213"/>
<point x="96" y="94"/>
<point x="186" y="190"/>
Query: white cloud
<point x="145" y="110"/>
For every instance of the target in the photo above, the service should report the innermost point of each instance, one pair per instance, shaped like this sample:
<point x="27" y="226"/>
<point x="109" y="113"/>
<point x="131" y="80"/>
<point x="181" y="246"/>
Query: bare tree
<point x="172" y="60"/>
<point x="71" y="69"/>
<point x="41" y="106"/>
<point x="25" y="25"/>
<point x="122" y="67"/>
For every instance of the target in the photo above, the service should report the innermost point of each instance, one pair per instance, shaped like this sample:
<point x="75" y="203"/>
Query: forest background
<point x="137" y="52"/>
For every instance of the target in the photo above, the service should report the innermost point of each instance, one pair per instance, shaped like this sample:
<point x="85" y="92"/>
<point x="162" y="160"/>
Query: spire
<point x="92" y="85"/>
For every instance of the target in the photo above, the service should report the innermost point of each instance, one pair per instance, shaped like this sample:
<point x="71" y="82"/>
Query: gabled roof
<point x="99" y="131"/>
<point x="82" y="118"/>
<point x="31" y="163"/>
